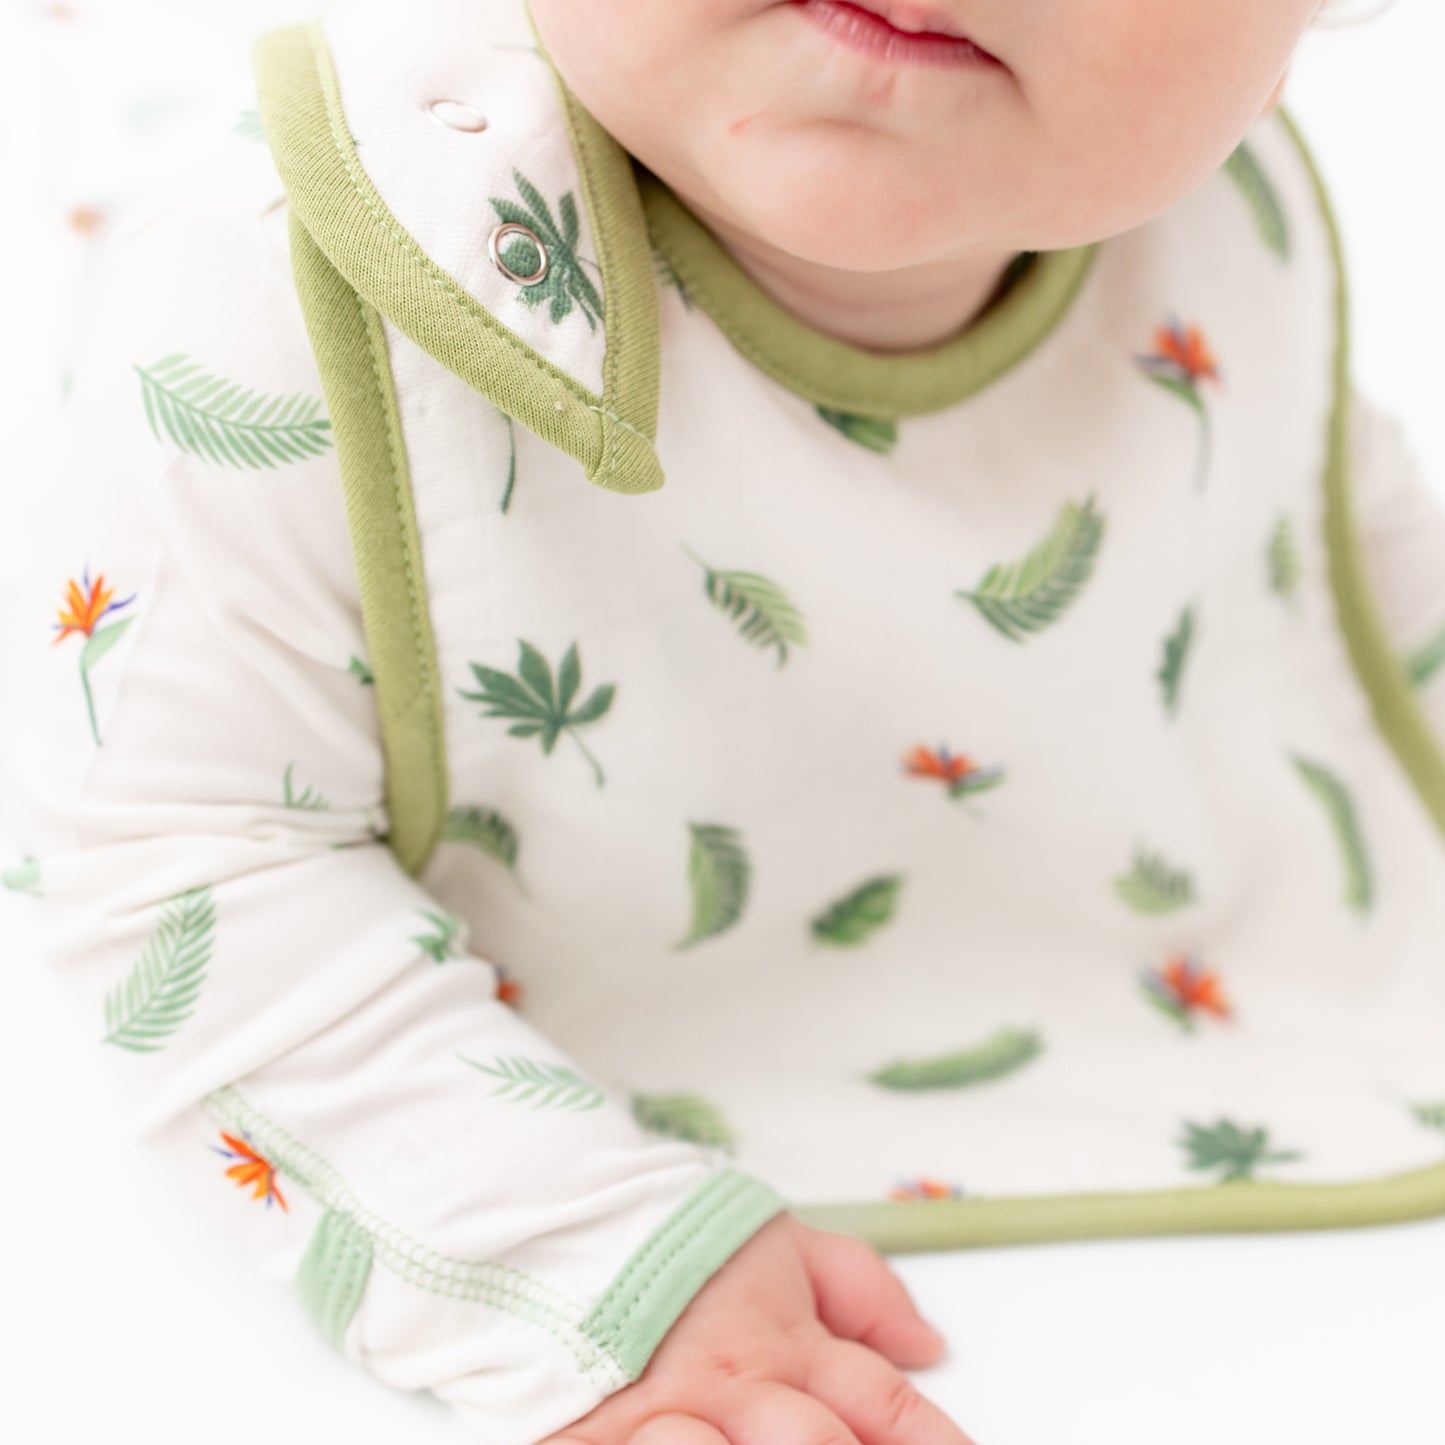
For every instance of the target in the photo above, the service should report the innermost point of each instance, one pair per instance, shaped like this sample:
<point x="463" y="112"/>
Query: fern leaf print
<point x="305" y="799"/>
<point x="219" y="421"/>
<point x="544" y="1085"/>
<point x="1244" y="169"/>
<point x="538" y="705"/>
<point x="1005" y="1053"/>
<point x="251" y="1168"/>
<point x="563" y="283"/>
<point x="86" y="602"/>
<point x="1152" y="886"/>
<point x="441" y="944"/>
<point x="1180" y="362"/>
<point x="960" y="775"/>
<point x="1176" y="651"/>
<point x="877" y="435"/>
<point x="363" y="672"/>
<point x="24" y="877"/>
<point x="1284" y="560"/>
<point x="159" y="993"/>
<point x="1432" y="1116"/>
<point x="684" y="1116"/>
<point x="1340" y="808"/>
<point x="854" y="918"/>
<point x="766" y="616"/>
<point x="1226" y="1146"/>
<point x="718" y="874"/>
<point x="248" y="124"/>
<point x="486" y="829"/>
<point x="1426" y="660"/>
<point x="1025" y="596"/>
<point x="667" y="274"/>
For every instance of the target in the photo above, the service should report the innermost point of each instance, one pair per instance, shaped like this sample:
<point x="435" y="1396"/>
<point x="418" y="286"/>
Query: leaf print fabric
<point x="565" y="283"/>
<point x="159" y="994"/>
<point x="217" y="420"/>
<point x="1152" y="886"/>
<point x="765" y="615"/>
<point x="86" y="605"/>
<point x="1005" y="1053"/>
<point x="1340" y="809"/>
<point x="719" y="875"/>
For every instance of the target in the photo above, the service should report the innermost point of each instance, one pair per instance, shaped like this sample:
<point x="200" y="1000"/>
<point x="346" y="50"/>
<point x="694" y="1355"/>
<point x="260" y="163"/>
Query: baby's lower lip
<point x="862" y="30"/>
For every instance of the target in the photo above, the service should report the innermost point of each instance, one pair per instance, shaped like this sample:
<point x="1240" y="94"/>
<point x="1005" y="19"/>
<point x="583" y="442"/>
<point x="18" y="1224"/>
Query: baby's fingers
<point x="772" y="1413"/>
<point x="678" y="1430"/>
<point x="877" y="1403"/>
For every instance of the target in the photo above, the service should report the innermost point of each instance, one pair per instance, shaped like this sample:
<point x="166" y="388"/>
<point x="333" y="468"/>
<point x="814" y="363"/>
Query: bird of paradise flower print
<point x="251" y="1168"/>
<point x="86" y="603"/>
<point x="1180" y="362"/>
<point x="925" y="1188"/>
<point x="1182" y="988"/>
<point x="959" y="773"/>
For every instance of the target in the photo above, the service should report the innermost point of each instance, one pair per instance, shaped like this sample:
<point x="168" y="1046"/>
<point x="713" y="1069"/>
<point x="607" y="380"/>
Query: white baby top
<point x="532" y="760"/>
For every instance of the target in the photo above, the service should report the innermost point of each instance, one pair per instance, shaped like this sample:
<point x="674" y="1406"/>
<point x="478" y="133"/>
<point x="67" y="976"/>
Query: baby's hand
<point x="791" y="1340"/>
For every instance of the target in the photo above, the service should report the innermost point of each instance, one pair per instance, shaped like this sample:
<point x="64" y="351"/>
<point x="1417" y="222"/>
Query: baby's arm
<point x="1401" y="524"/>
<point x="301" y="1035"/>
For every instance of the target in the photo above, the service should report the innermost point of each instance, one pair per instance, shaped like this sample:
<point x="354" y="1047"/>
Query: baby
<point x="993" y="759"/>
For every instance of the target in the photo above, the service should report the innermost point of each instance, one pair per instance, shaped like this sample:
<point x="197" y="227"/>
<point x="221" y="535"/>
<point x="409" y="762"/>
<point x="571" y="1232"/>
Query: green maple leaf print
<point x="855" y="917"/>
<point x="1244" y="169"/>
<point x="540" y="705"/>
<point x="160" y="991"/>
<point x="1426" y="660"/>
<point x="718" y="873"/>
<point x="24" y="877"/>
<point x="307" y="799"/>
<point x="684" y="1116"/>
<point x="876" y="434"/>
<point x="769" y="618"/>
<point x="1284" y="560"/>
<point x="362" y="671"/>
<point x="548" y="1086"/>
<point x="1228" y="1146"/>
<point x="485" y="828"/>
<point x="1025" y="596"/>
<point x="1005" y="1052"/>
<point x="1151" y="886"/>
<point x="1176" y="651"/>
<point x="1359" y="890"/>
<point x="219" y="422"/>
<point x="442" y="944"/>
<point x="566" y="284"/>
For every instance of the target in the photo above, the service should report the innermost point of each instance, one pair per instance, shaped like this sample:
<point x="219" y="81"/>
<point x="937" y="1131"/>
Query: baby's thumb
<point x="860" y="1298"/>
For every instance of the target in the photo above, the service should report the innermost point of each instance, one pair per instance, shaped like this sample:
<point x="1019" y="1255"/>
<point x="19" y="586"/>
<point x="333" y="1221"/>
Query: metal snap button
<point x="457" y="114"/>
<point x="494" y="250"/>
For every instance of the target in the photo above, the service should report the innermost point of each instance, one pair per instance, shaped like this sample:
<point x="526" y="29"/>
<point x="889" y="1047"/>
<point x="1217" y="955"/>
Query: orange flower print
<point x="1182" y="360"/>
<point x="925" y="1188"/>
<point x="962" y="776"/>
<point x="1182" y="988"/>
<point x="253" y="1168"/>
<point x="86" y="604"/>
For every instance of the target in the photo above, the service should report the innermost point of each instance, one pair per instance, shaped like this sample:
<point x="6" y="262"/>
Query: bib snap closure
<point x="494" y="250"/>
<point x="457" y="114"/>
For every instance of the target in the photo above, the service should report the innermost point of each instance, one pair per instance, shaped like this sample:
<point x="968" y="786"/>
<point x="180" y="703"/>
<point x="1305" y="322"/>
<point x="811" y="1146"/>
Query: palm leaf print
<point x="442" y="944"/>
<point x="248" y="124"/>
<point x="219" y="422"/>
<point x="485" y="828"/>
<point x="853" y="918"/>
<point x="1284" y="561"/>
<point x="1025" y="596"/>
<point x="1244" y="169"/>
<point x="1427" y="659"/>
<point x="1359" y="890"/>
<point x="1151" y="886"/>
<point x="1006" y="1051"/>
<point x="1176" y="651"/>
<point x="512" y="458"/>
<point x="24" y="877"/>
<point x="548" y="1086"/>
<point x="306" y="798"/>
<point x="565" y="283"/>
<point x="769" y="619"/>
<point x="1432" y="1116"/>
<point x="667" y="274"/>
<point x="718" y="873"/>
<point x="540" y="705"/>
<point x="362" y="671"/>
<point x="160" y="991"/>
<point x="877" y="435"/>
<point x="1228" y="1146"/>
<point x="683" y="1116"/>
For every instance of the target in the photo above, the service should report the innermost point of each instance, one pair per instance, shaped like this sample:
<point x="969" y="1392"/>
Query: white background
<point x="124" y="1313"/>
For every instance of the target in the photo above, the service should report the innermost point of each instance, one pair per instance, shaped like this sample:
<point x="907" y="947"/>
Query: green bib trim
<point x="612" y="435"/>
<point x="836" y="374"/>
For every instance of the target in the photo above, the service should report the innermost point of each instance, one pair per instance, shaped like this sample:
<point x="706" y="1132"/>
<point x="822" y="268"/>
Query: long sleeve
<point x="1401" y="524"/>
<point x="196" y="792"/>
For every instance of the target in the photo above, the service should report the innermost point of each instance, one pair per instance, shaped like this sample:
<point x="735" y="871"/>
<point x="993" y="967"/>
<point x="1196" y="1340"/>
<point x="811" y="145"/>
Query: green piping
<point x="842" y="377"/>
<point x="611" y="435"/>
<point x="351" y="354"/>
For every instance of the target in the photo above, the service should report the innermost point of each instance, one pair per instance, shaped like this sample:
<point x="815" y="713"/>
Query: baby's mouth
<point x="895" y="30"/>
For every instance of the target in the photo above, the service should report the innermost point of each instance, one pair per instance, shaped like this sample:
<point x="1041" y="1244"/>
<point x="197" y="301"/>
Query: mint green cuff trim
<point x="675" y="1261"/>
<point x="332" y="1275"/>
